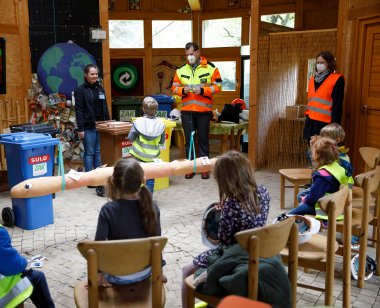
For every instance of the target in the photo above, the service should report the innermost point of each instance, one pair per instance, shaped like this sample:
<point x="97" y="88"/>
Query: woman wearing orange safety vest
<point x="196" y="82"/>
<point x="325" y="96"/>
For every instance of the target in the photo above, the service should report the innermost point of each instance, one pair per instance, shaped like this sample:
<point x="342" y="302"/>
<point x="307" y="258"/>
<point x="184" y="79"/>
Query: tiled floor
<point x="182" y="206"/>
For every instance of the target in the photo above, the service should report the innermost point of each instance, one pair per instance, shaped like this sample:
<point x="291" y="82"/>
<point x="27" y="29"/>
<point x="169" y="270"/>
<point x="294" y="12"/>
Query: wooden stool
<point x="298" y="177"/>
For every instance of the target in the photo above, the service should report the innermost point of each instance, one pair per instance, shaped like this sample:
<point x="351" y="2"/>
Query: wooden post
<point x="148" y="61"/>
<point x="103" y="16"/>
<point x="298" y="25"/>
<point x="253" y="96"/>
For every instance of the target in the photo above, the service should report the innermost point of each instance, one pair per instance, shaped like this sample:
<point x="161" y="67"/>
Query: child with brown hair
<point x="147" y="135"/>
<point x="244" y="205"/>
<point x="131" y="214"/>
<point x="327" y="178"/>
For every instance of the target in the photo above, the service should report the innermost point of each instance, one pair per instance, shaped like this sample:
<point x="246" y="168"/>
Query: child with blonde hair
<point x="327" y="178"/>
<point x="147" y="135"/>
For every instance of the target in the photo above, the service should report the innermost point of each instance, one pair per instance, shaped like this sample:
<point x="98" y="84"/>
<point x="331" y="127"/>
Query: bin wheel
<point x="8" y="217"/>
<point x="80" y="169"/>
<point x="100" y="191"/>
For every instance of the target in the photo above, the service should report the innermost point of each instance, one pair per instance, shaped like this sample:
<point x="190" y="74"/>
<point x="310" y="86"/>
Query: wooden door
<point x="368" y="130"/>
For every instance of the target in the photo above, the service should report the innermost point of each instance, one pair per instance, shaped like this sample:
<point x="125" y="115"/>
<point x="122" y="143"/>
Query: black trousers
<point x="200" y="123"/>
<point x="41" y="296"/>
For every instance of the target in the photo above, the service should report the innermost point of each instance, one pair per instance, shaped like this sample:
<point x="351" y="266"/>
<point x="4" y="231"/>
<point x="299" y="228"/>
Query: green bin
<point x="126" y="107"/>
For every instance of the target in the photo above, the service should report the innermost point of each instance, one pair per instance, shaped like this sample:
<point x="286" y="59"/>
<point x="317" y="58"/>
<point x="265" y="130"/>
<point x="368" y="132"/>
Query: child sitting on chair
<point x="327" y="178"/>
<point x="131" y="214"/>
<point x="147" y="135"/>
<point x="244" y="205"/>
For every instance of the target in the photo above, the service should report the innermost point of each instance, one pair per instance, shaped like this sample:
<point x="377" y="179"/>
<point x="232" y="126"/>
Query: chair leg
<point x="362" y="260"/>
<point x="190" y="299"/>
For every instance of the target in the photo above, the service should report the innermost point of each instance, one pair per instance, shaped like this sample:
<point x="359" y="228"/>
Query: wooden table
<point x="227" y="133"/>
<point x="297" y="176"/>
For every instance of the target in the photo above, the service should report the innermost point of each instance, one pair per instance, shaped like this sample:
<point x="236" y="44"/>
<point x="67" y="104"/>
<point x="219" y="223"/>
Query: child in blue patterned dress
<point x="244" y="205"/>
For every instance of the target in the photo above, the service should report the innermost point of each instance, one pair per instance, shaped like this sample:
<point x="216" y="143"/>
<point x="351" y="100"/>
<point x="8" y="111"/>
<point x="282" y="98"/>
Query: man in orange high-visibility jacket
<point x="325" y="96"/>
<point x="196" y="82"/>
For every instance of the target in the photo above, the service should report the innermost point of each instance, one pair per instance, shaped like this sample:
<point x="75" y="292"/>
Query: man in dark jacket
<point x="90" y="107"/>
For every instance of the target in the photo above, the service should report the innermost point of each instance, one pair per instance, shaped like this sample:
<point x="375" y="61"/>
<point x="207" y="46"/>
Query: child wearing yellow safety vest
<point x="327" y="178"/>
<point x="17" y="284"/>
<point x="147" y="135"/>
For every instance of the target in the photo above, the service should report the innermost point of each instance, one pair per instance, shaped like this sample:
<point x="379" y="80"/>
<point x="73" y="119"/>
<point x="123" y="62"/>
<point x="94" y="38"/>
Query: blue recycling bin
<point x="30" y="155"/>
<point x="165" y="103"/>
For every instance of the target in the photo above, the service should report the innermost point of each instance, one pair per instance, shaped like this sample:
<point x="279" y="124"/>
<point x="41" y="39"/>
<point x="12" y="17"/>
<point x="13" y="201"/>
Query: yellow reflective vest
<point x="14" y="289"/>
<point x="339" y="173"/>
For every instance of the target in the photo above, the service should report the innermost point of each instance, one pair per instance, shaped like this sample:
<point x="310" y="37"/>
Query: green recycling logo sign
<point x="125" y="76"/>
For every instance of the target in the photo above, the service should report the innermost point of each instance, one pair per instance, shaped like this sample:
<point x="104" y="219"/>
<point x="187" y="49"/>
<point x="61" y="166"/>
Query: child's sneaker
<point x="324" y="224"/>
<point x="355" y="243"/>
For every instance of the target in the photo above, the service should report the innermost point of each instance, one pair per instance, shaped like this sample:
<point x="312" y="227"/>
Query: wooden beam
<point x="298" y="23"/>
<point x="8" y="29"/>
<point x="138" y="15"/>
<point x="195" y="5"/>
<point x="364" y="11"/>
<point x="106" y="70"/>
<point x="148" y="59"/>
<point x="253" y="93"/>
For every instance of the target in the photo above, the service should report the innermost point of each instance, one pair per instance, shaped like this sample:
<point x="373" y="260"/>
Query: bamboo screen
<point x="283" y="60"/>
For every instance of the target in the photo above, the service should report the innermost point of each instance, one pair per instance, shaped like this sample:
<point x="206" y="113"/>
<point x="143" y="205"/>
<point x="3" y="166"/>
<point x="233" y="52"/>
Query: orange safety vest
<point x="206" y="76"/>
<point x="320" y="103"/>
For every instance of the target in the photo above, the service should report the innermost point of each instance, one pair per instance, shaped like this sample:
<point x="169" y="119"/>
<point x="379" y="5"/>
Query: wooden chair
<point x="122" y="257"/>
<point x="362" y="217"/>
<point x="318" y="253"/>
<point x="262" y="242"/>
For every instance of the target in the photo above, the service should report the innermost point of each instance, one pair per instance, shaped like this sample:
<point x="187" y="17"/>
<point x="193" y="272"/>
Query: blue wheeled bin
<point x="29" y="155"/>
<point x="165" y="103"/>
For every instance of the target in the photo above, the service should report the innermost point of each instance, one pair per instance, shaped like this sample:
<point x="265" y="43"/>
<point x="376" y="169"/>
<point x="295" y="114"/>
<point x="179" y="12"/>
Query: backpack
<point x="230" y="113"/>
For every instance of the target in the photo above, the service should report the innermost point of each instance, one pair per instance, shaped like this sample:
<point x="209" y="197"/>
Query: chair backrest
<point x="371" y="157"/>
<point x="334" y="205"/>
<point x="267" y="242"/>
<point x="123" y="257"/>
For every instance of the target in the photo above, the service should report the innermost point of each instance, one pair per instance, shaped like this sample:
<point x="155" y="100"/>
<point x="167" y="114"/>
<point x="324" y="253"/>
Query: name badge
<point x="102" y="96"/>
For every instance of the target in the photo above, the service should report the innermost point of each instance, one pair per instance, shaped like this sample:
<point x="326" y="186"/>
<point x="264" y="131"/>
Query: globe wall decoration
<point x="60" y="68"/>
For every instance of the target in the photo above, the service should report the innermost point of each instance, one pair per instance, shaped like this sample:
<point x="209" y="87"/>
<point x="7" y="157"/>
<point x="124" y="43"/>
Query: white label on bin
<point x="162" y="114"/>
<point x="125" y="152"/>
<point x="39" y="169"/>
<point x="126" y="115"/>
<point x="163" y="146"/>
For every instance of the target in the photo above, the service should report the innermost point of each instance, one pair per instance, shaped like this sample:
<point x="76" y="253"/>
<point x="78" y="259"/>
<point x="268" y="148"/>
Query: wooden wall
<point x="14" y="21"/>
<point x="283" y="60"/>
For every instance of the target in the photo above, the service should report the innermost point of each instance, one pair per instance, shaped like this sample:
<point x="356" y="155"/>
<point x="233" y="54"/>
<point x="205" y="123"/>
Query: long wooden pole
<point x="253" y="95"/>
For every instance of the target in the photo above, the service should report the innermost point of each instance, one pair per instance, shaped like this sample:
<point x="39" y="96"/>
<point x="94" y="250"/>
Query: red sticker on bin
<point x="39" y="159"/>
<point x="125" y="143"/>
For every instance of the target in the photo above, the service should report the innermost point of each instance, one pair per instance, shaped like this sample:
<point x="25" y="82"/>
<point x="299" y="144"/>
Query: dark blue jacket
<point x="12" y="262"/>
<point x="90" y="105"/>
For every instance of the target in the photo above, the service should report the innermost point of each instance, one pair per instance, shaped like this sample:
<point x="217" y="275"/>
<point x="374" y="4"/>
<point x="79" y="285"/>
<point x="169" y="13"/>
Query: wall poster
<point x="2" y="66"/>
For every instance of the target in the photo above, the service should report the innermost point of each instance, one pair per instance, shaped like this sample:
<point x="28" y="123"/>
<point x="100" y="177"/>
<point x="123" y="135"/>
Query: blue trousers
<point x="91" y="144"/>
<point x="303" y="209"/>
<point x="40" y="297"/>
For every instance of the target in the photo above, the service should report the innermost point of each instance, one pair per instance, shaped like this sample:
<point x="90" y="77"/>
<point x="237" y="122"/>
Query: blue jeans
<point x="91" y="143"/>
<point x="41" y="295"/>
<point x="303" y="209"/>
<point x="150" y="185"/>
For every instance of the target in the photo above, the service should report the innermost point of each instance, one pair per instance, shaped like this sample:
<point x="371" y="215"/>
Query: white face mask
<point x="191" y="59"/>
<point x="321" y="67"/>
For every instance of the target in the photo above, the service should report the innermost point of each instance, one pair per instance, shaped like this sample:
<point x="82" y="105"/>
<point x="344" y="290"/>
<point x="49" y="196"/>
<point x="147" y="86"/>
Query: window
<point x="222" y="32"/>
<point x="310" y="70"/>
<point x="286" y="20"/>
<point x="227" y="70"/>
<point x="126" y="33"/>
<point x="164" y="33"/>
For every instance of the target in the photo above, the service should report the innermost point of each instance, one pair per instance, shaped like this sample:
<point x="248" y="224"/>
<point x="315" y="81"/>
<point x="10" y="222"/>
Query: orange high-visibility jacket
<point x="320" y="102"/>
<point x="206" y="76"/>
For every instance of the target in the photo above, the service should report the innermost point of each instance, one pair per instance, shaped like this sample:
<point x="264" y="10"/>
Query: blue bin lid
<point x="27" y="140"/>
<point x="162" y="98"/>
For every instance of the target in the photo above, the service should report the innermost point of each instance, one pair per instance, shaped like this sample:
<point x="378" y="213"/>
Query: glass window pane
<point x="246" y="70"/>
<point x="126" y="33"/>
<point x="164" y="30"/>
<point x="286" y="19"/>
<point x="222" y="32"/>
<point x="227" y="70"/>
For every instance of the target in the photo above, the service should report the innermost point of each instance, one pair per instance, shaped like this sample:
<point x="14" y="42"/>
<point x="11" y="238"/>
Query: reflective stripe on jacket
<point x="206" y="76"/>
<point x="320" y="102"/>
<point x="14" y="290"/>
<point x="339" y="173"/>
